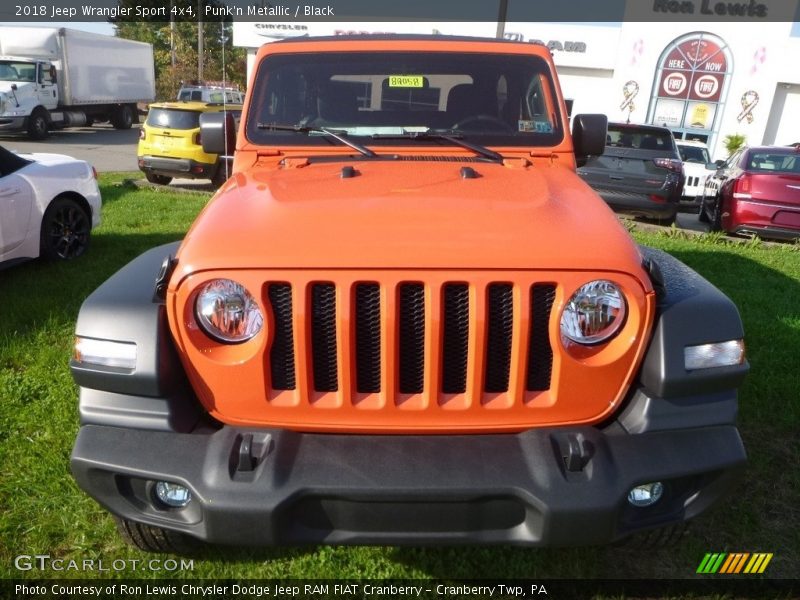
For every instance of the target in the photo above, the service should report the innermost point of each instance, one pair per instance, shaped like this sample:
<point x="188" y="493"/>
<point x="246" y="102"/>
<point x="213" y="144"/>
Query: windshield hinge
<point x="516" y="163"/>
<point x="294" y="162"/>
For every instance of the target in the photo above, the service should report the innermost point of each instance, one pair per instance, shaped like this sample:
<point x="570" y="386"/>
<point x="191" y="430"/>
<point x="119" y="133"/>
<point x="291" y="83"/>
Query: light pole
<point x="200" y="41"/>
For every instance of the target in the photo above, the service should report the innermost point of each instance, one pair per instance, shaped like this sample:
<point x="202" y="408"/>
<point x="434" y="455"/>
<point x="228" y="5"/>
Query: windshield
<point x="489" y="98"/>
<point x="17" y="71"/>
<point x="694" y="154"/>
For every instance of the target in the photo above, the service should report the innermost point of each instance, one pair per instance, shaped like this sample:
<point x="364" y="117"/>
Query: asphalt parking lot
<point x="102" y="146"/>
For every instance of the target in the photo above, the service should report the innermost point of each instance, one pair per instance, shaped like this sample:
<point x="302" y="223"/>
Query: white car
<point x="694" y="155"/>
<point x="49" y="203"/>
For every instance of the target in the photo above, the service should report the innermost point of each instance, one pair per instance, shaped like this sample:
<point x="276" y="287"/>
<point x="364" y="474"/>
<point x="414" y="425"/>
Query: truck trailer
<point x="51" y="78"/>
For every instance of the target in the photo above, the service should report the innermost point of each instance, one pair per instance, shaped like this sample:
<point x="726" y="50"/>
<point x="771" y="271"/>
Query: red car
<point x="755" y="191"/>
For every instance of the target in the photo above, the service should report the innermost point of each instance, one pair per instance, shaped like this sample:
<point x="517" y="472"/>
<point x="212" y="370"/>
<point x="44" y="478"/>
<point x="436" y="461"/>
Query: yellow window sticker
<point x="406" y="81"/>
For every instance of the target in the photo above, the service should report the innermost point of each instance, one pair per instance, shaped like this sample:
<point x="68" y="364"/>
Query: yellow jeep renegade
<point x="169" y="143"/>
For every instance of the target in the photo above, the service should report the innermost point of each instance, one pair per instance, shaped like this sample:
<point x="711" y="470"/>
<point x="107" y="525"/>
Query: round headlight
<point x="594" y="313"/>
<point x="228" y="312"/>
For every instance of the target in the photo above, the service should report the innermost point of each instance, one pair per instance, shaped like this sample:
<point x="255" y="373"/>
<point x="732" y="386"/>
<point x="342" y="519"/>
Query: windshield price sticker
<point x="406" y="81"/>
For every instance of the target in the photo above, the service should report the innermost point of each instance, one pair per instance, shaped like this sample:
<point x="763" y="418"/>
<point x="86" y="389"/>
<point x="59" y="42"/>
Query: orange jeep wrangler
<point x="405" y="319"/>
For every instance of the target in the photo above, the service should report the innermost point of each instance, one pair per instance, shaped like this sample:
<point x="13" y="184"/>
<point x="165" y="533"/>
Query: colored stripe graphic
<point x="758" y="563"/>
<point x="711" y="563"/>
<point x="734" y="563"/>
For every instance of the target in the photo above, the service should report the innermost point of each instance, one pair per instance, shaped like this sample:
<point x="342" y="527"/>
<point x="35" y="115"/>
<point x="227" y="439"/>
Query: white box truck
<point x="56" y="77"/>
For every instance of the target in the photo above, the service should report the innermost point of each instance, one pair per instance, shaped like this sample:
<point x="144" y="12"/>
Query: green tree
<point x="181" y="37"/>
<point x="733" y="142"/>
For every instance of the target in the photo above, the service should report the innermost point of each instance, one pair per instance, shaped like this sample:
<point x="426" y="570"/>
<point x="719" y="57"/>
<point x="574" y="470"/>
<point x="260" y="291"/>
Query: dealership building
<point x="702" y="79"/>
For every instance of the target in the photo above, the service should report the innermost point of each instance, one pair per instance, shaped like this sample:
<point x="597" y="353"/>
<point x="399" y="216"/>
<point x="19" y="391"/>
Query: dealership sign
<point x="690" y="82"/>
<point x="694" y="70"/>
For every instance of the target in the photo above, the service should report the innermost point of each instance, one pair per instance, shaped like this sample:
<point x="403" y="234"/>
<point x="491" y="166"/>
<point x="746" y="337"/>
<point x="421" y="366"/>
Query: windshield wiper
<point x="448" y="136"/>
<point x="336" y="134"/>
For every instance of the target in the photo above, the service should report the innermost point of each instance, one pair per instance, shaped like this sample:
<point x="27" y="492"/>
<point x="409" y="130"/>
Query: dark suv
<point x="640" y="173"/>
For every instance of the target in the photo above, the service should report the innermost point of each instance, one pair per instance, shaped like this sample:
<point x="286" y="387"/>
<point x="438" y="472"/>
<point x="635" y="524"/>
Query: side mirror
<point x="53" y="75"/>
<point x="218" y="133"/>
<point x="589" y="136"/>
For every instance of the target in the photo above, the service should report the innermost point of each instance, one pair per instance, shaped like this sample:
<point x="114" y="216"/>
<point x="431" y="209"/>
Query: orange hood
<point x="401" y="214"/>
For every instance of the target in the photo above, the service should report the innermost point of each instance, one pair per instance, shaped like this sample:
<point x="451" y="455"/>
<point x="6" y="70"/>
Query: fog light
<point x="172" y="494"/>
<point x="720" y="354"/>
<point x="646" y="494"/>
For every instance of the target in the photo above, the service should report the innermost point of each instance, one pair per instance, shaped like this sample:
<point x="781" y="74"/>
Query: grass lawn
<point x="42" y="511"/>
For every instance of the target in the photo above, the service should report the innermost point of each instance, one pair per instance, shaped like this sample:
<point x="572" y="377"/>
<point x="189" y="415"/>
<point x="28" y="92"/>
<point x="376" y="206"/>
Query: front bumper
<point x="13" y="123"/>
<point x="295" y="487"/>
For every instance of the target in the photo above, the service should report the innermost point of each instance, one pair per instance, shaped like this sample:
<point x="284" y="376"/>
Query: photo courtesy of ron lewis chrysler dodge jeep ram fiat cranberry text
<point x="405" y="319"/>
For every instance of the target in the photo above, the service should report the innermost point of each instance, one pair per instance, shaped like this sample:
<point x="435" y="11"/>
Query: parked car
<point x="755" y="191"/>
<point x="49" y="204"/>
<point x="211" y="93"/>
<point x="170" y="146"/>
<point x="640" y="172"/>
<point x="694" y="155"/>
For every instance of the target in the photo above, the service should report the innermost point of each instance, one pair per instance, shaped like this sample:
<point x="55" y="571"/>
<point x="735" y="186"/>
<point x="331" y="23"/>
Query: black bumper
<point x="360" y="489"/>
<point x="640" y="204"/>
<point x="177" y="167"/>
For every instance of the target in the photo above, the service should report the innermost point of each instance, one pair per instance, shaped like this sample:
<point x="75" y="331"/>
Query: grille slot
<point x="540" y="352"/>
<point x="281" y="355"/>
<point x="455" y="342"/>
<point x="354" y="341"/>
<point x="412" y="338"/>
<point x="368" y="338"/>
<point x="500" y="321"/>
<point x="323" y="337"/>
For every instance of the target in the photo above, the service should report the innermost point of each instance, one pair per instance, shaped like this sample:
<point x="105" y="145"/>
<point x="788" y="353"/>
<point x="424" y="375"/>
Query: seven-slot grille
<point x="473" y="330"/>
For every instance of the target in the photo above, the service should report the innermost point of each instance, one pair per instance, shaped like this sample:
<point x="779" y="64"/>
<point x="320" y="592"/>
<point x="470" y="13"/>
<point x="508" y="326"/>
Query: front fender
<point x="156" y="394"/>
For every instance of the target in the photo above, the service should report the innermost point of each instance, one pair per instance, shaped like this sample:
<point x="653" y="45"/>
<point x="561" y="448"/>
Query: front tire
<point x="122" y="118"/>
<point x="65" y="230"/>
<point x="702" y="216"/>
<point x="155" y="539"/>
<point x="219" y="177"/>
<point x="715" y="219"/>
<point x="38" y="126"/>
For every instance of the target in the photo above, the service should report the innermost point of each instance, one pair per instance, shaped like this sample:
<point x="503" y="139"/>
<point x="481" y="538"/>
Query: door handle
<point x="618" y="177"/>
<point x="8" y="192"/>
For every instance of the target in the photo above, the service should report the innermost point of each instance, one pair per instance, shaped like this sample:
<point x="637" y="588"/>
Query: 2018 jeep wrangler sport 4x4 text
<point x="405" y="319"/>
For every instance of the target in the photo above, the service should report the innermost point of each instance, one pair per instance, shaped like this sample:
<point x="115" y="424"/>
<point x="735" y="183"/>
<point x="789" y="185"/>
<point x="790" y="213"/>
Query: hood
<point x="402" y="214"/>
<point x="696" y="169"/>
<point x="46" y="158"/>
<point x="5" y="88"/>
